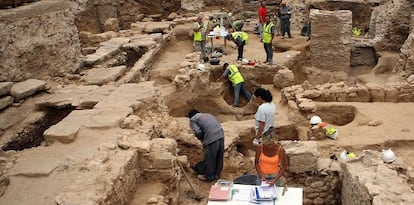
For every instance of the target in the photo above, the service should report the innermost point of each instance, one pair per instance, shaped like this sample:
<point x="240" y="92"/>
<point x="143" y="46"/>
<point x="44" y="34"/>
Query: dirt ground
<point x="394" y="131"/>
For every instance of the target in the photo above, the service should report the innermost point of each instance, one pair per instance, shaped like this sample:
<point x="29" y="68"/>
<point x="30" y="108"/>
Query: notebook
<point x="219" y="193"/>
<point x="263" y="193"/>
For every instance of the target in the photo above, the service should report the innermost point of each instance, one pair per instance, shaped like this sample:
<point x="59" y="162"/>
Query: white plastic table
<point x="293" y="196"/>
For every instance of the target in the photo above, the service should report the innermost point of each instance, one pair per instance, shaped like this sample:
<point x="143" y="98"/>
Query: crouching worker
<point x="270" y="159"/>
<point x="320" y="130"/>
<point x="209" y="131"/>
<point x="241" y="39"/>
<point x="236" y="78"/>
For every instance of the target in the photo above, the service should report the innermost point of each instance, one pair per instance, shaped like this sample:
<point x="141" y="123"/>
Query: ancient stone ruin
<point x="94" y="97"/>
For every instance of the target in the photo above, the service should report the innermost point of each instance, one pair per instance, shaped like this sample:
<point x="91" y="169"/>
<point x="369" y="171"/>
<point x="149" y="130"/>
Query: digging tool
<point x="196" y="195"/>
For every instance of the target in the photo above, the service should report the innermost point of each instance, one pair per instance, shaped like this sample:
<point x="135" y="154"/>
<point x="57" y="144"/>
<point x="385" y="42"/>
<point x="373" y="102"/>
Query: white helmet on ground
<point x="315" y="120"/>
<point x="388" y="156"/>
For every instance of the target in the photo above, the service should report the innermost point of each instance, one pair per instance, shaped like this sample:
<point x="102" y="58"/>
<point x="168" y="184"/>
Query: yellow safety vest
<point x="235" y="76"/>
<point x="267" y="33"/>
<point x="197" y="34"/>
<point x="244" y="36"/>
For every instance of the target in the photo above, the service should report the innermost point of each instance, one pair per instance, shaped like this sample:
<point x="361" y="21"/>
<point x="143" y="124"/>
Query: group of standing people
<point x="270" y="159"/>
<point x="241" y="38"/>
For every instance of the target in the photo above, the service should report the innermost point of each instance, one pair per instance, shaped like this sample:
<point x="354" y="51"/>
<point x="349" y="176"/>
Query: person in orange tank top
<point x="270" y="160"/>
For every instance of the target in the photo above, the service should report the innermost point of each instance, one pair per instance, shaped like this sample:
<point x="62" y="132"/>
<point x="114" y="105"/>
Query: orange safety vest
<point x="269" y="165"/>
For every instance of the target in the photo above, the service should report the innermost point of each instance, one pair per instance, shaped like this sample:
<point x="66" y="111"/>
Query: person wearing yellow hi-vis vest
<point x="200" y="37"/>
<point x="240" y="38"/>
<point x="267" y="38"/>
<point x="236" y="78"/>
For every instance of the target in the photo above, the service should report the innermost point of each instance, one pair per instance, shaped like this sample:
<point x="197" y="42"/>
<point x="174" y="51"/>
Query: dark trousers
<point x="213" y="156"/>
<point x="285" y="27"/>
<point x="269" y="52"/>
<point x="240" y="51"/>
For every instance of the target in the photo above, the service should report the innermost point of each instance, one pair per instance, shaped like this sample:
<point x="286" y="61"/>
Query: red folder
<point x="219" y="193"/>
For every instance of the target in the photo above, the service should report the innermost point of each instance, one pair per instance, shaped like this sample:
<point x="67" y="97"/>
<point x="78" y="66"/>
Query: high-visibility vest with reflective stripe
<point x="267" y="33"/>
<point x="243" y="35"/>
<point x="197" y="34"/>
<point x="235" y="76"/>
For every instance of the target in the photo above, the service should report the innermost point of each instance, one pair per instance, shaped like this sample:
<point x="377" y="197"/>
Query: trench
<point x="31" y="134"/>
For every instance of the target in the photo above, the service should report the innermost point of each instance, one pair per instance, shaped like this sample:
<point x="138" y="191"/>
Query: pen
<point x="257" y="193"/>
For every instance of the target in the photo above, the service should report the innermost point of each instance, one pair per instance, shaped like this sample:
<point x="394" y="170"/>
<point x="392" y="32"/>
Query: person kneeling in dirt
<point x="209" y="131"/>
<point x="319" y="130"/>
<point x="270" y="159"/>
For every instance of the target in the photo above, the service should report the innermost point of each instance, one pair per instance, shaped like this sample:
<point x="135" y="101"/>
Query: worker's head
<point x="225" y="66"/>
<point x="192" y="113"/>
<point x="269" y="138"/>
<point x="200" y="19"/>
<point x="283" y="4"/>
<point x="263" y="94"/>
<point x="229" y="37"/>
<point x="263" y="3"/>
<point x="267" y="19"/>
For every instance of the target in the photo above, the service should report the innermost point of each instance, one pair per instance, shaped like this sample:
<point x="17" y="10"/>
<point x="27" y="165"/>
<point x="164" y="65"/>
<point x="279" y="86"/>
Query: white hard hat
<point x="315" y="120"/>
<point x="201" y="67"/>
<point x="343" y="156"/>
<point x="388" y="156"/>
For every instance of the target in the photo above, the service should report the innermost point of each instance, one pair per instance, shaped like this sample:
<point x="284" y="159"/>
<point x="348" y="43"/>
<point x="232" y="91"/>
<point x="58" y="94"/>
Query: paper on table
<point x="264" y="184"/>
<point x="241" y="194"/>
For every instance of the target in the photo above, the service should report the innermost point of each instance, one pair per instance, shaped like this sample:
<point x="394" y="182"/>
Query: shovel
<point x="196" y="195"/>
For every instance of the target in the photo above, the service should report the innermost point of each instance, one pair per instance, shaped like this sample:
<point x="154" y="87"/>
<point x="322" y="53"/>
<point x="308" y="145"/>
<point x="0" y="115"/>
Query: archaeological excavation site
<point x="95" y="96"/>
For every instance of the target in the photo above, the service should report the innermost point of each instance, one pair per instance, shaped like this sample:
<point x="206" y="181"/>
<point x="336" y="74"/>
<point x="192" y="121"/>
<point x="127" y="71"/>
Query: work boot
<point x="203" y="178"/>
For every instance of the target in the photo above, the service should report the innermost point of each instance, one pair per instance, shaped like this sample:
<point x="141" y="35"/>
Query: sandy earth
<point x="394" y="131"/>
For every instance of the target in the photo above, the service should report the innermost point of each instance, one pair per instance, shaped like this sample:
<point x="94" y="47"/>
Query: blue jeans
<point x="237" y="88"/>
<point x="269" y="52"/>
<point x="285" y="27"/>
<point x="240" y="51"/>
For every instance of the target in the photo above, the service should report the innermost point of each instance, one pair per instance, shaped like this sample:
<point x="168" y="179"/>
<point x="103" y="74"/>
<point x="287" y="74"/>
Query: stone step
<point x="27" y="88"/>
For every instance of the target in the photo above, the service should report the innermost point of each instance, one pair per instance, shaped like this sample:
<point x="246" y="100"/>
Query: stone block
<point x="158" y="27"/>
<point x="162" y="160"/>
<point x="111" y="24"/>
<point x="164" y="144"/>
<point x="66" y="130"/>
<point x="377" y="92"/>
<point x="101" y="76"/>
<point x="302" y="156"/>
<point x="129" y="94"/>
<point x="5" y="88"/>
<point x="107" y="118"/>
<point x="5" y="102"/>
<point x="27" y="88"/>
<point x="391" y="94"/>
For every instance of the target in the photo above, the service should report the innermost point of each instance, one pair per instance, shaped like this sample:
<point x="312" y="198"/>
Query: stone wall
<point x="388" y="34"/>
<point x="318" y="177"/>
<point x="331" y="31"/>
<point x="38" y="40"/>
<point x="369" y="181"/>
<point x="407" y="54"/>
<point x="91" y="14"/>
<point x="341" y="92"/>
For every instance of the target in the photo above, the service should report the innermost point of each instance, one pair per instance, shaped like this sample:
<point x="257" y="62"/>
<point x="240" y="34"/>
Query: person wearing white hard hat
<point x="320" y="130"/>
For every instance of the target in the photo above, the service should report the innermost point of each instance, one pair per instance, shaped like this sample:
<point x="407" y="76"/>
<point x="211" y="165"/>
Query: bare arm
<point x="256" y="161"/>
<point x="260" y="129"/>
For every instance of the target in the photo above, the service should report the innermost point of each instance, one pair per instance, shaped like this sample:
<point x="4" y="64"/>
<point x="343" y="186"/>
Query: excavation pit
<point x="30" y="134"/>
<point x="336" y="114"/>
